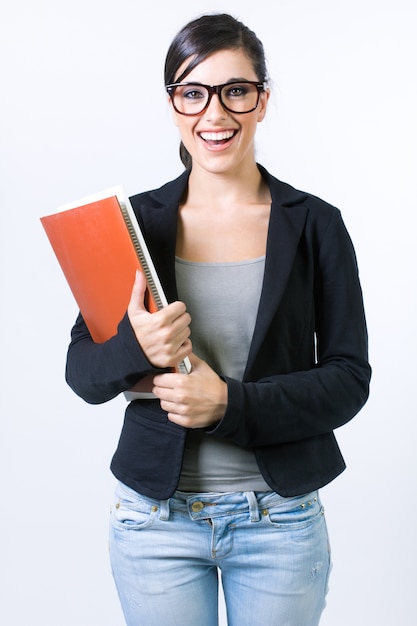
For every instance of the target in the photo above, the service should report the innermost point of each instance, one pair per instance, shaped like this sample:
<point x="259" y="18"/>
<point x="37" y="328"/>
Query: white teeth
<point x="227" y="134"/>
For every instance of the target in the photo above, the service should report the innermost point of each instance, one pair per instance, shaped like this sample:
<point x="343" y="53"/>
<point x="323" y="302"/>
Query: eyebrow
<point x="237" y="80"/>
<point x="230" y="80"/>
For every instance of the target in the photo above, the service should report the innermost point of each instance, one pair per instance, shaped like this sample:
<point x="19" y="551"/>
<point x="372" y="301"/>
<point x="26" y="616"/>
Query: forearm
<point x="99" y="372"/>
<point x="306" y="400"/>
<point x="295" y="406"/>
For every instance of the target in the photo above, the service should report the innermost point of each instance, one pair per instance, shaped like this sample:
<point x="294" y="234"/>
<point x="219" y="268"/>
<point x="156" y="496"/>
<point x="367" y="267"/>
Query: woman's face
<point x="218" y="140"/>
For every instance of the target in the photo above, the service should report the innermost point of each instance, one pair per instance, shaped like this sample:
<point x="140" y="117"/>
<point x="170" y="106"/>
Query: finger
<point x="195" y="361"/>
<point x="176" y="313"/>
<point x="165" y="381"/>
<point x="169" y="402"/>
<point x="182" y="420"/>
<point x="137" y="297"/>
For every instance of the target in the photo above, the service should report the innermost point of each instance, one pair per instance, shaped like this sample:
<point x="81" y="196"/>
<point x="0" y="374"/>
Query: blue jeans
<point x="272" y="552"/>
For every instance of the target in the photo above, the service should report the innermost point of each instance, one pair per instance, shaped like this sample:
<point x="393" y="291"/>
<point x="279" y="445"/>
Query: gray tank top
<point x="223" y="300"/>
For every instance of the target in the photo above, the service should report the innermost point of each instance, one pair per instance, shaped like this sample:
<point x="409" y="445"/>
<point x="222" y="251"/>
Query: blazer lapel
<point x="288" y="216"/>
<point x="158" y="218"/>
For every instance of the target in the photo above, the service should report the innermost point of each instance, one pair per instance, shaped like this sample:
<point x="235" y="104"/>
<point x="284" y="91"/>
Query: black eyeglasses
<point x="194" y="98"/>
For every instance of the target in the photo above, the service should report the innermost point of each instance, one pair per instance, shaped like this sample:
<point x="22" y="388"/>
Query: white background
<point x="82" y="109"/>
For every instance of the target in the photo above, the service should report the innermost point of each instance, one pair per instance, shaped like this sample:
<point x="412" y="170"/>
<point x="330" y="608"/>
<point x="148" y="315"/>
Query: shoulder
<point x="168" y="194"/>
<point x="296" y="203"/>
<point x="289" y="196"/>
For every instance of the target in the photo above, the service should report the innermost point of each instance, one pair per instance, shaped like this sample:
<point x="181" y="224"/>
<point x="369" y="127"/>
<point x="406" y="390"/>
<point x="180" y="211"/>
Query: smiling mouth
<point x="219" y="138"/>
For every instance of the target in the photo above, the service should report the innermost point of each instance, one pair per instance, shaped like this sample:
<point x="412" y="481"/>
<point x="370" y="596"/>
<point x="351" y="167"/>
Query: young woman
<point x="220" y="471"/>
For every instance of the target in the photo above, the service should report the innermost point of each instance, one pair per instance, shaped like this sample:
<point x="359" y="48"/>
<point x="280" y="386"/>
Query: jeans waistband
<point x="211" y="505"/>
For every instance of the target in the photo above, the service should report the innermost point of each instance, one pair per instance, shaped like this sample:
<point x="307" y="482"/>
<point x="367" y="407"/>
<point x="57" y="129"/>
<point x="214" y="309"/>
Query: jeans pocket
<point x="295" y="513"/>
<point x="131" y="510"/>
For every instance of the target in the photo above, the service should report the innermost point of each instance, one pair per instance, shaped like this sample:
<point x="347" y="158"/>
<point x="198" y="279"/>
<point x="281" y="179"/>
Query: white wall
<point x="83" y="108"/>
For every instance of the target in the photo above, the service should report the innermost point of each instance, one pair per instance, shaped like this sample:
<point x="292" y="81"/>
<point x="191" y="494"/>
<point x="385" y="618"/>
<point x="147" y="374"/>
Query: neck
<point x="223" y="190"/>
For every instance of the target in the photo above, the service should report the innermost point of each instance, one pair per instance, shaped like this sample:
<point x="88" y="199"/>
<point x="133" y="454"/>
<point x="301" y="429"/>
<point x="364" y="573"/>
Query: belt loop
<point x="253" y="506"/>
<point x="164" y="514"/>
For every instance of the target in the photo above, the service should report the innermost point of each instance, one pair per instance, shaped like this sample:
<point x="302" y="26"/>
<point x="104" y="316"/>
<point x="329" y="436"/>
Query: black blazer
<point x="307" y="371"/>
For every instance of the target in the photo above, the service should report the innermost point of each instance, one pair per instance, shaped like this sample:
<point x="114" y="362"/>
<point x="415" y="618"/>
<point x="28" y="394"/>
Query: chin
<point x="217" y="163"/>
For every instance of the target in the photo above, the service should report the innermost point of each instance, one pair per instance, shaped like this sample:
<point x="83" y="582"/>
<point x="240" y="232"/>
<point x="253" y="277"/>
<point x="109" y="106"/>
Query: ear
<point x="263" y="104"/>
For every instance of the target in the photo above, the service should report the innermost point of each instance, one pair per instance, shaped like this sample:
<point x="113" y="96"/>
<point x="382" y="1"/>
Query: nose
<point x="215" y="108"/>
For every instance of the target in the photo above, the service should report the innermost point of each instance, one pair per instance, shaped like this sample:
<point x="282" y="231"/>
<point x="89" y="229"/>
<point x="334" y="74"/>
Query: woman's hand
<point x="164" y="335"/>
<point x="196" y="400"/>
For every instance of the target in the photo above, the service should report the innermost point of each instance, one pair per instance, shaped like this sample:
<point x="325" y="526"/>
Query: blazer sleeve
<point x="98" y="372"/>
<point x="307" y="403"/>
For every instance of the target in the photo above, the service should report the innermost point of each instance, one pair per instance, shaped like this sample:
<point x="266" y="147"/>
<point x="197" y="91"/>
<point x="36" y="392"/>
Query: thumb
<point x="196" y="362"/>
<point x="137" y="298"/>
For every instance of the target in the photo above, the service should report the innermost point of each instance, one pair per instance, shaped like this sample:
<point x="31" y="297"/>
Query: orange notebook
<point x="99" y="246"/>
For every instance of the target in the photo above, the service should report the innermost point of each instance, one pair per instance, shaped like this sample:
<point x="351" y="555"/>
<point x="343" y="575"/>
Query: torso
<point x="211" y="235"/>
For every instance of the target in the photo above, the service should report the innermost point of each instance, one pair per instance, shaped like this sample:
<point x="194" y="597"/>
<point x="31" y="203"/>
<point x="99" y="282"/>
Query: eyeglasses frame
<point x="216" y="89"/>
